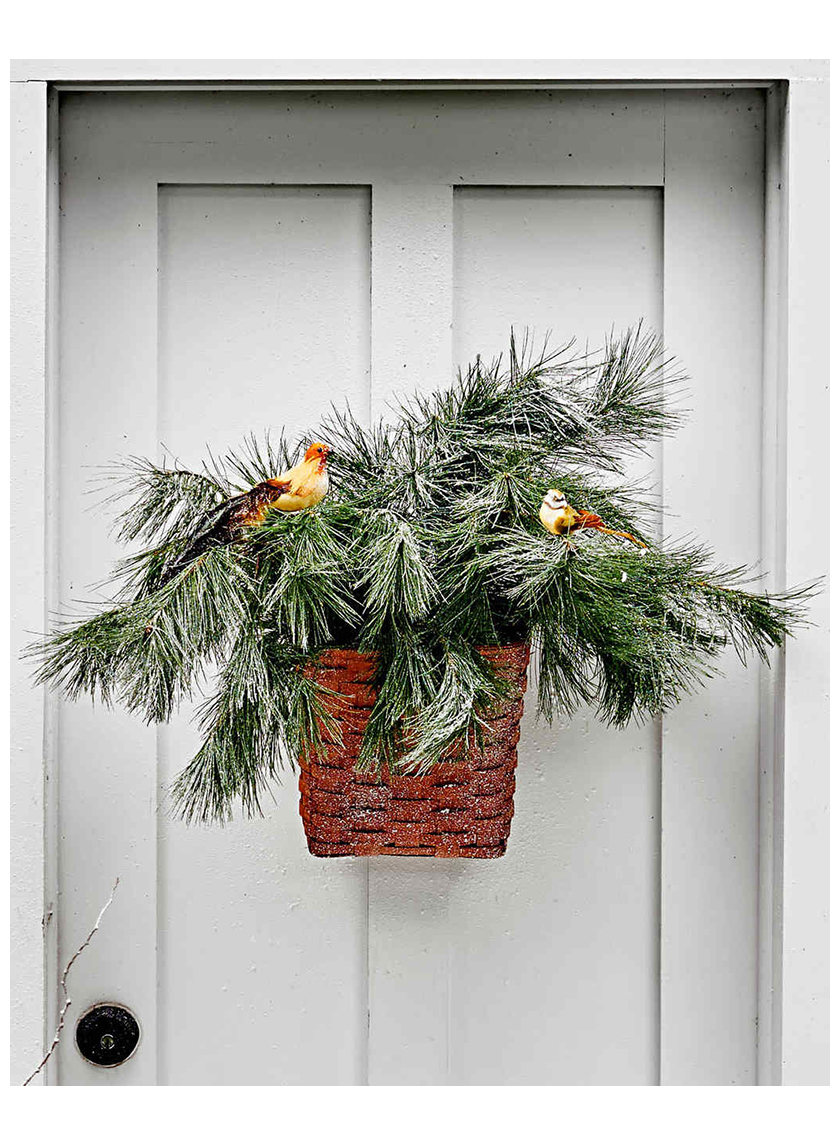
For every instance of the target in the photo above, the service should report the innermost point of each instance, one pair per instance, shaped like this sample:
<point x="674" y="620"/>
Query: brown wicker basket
<point x="461" y="808"/>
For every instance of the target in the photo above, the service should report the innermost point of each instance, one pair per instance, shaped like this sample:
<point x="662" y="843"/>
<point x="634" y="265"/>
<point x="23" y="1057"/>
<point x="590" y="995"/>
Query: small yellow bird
<point x="561" y="518"/>
<point x="301" y="487"/>
<point x="298" y="488"/>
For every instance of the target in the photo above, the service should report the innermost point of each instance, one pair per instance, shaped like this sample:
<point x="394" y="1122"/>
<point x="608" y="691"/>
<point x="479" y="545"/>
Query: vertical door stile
<point x="52" y="584"/>
<point x="713" y="244"/>
<point x="408" y="925"/>
<point x="773" y="563"/>
<point x="32" y="909"/>
<point x="108" y="758"/>
<point x="804" y="949"/>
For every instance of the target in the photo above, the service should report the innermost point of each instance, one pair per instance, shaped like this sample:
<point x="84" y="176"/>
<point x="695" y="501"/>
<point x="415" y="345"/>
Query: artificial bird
<point x="560" y="518"/>
<point x="300" y="487"/>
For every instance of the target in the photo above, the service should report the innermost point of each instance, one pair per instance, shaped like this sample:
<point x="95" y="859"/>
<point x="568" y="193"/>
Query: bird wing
<point x="274" y="487"/>
<point x="250" y="508"/>
<point x="224" y="523"/>
<point x="585" y="520"/>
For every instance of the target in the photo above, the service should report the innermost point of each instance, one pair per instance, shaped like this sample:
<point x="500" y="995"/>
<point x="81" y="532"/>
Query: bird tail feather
<point x="619" y="533"/>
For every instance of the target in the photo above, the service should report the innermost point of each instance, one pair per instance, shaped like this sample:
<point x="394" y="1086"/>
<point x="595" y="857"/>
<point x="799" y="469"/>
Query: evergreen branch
<point x="396" y="576"/>
<point x="404" y="687"/>
<point x="428" y="545"/>
<point x="465" y="688"/>
<point x="633" y="381"/>
<point x="305" y="574"/>
<point x="148" y="652"/>
<point x="164" y="503"/>
<point x="254" y="462"/>
<point x="362" y="458"/>
<point x="265" y="711"/>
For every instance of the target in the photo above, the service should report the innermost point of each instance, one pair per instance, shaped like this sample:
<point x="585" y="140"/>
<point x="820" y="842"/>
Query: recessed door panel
<point x="263" y="309"/>
<point x="264" y="318"/>
<point x="581" y="1002"/>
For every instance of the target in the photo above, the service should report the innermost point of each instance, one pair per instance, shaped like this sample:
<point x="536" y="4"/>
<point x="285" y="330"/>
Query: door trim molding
<point x="793" y="913"/>
<point x="29" y="910"/>
<point x="381" y="73"/>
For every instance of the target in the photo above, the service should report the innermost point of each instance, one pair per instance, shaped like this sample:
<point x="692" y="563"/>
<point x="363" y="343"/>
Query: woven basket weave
<point x="461" y="808"/>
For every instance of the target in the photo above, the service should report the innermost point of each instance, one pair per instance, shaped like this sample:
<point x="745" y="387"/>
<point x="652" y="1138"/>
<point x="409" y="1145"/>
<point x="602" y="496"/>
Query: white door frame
<point x="793" y="908"/>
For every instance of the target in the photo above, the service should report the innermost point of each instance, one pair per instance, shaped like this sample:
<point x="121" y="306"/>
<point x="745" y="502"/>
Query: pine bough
<point x="427" y="546"/>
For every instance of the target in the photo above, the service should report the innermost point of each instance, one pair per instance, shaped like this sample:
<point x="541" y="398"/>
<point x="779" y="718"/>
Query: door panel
<point x="584" y="852"/>
<point x="232" y="262"/>
<point x="264" y="309"/>
<point x="570" y="260"/>
<point x="264" y="316"/>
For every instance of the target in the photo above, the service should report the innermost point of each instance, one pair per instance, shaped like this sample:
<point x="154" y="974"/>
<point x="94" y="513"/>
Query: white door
<point x="233" y="262"/>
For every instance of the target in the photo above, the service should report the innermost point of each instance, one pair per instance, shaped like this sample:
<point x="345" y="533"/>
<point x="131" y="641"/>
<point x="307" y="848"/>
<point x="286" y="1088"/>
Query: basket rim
<point x="524" y="643"/>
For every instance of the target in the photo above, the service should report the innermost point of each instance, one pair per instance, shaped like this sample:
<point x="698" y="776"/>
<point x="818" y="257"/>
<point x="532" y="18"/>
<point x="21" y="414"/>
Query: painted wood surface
<point x="107" y="783"/>
<point x="377" y="71"/>
<point x="223" y="258"/>
<point x="411" y="348"/>
<point x="264" y="317"/>
<point x="714" y="198"/>
<point x="554" y="954"/>
<point x="805" y="944"/>
<point x="28" y="909"/>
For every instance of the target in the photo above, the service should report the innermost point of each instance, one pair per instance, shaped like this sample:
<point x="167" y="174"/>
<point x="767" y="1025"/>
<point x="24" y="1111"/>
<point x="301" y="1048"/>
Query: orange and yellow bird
<point x="301" y="487"/>
<point x="561" y="518"/>
<point x="298" y="488"/>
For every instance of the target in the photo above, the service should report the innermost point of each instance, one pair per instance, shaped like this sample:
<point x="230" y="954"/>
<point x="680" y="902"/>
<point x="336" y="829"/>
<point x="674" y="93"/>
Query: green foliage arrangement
<point x="428" y="545"/>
